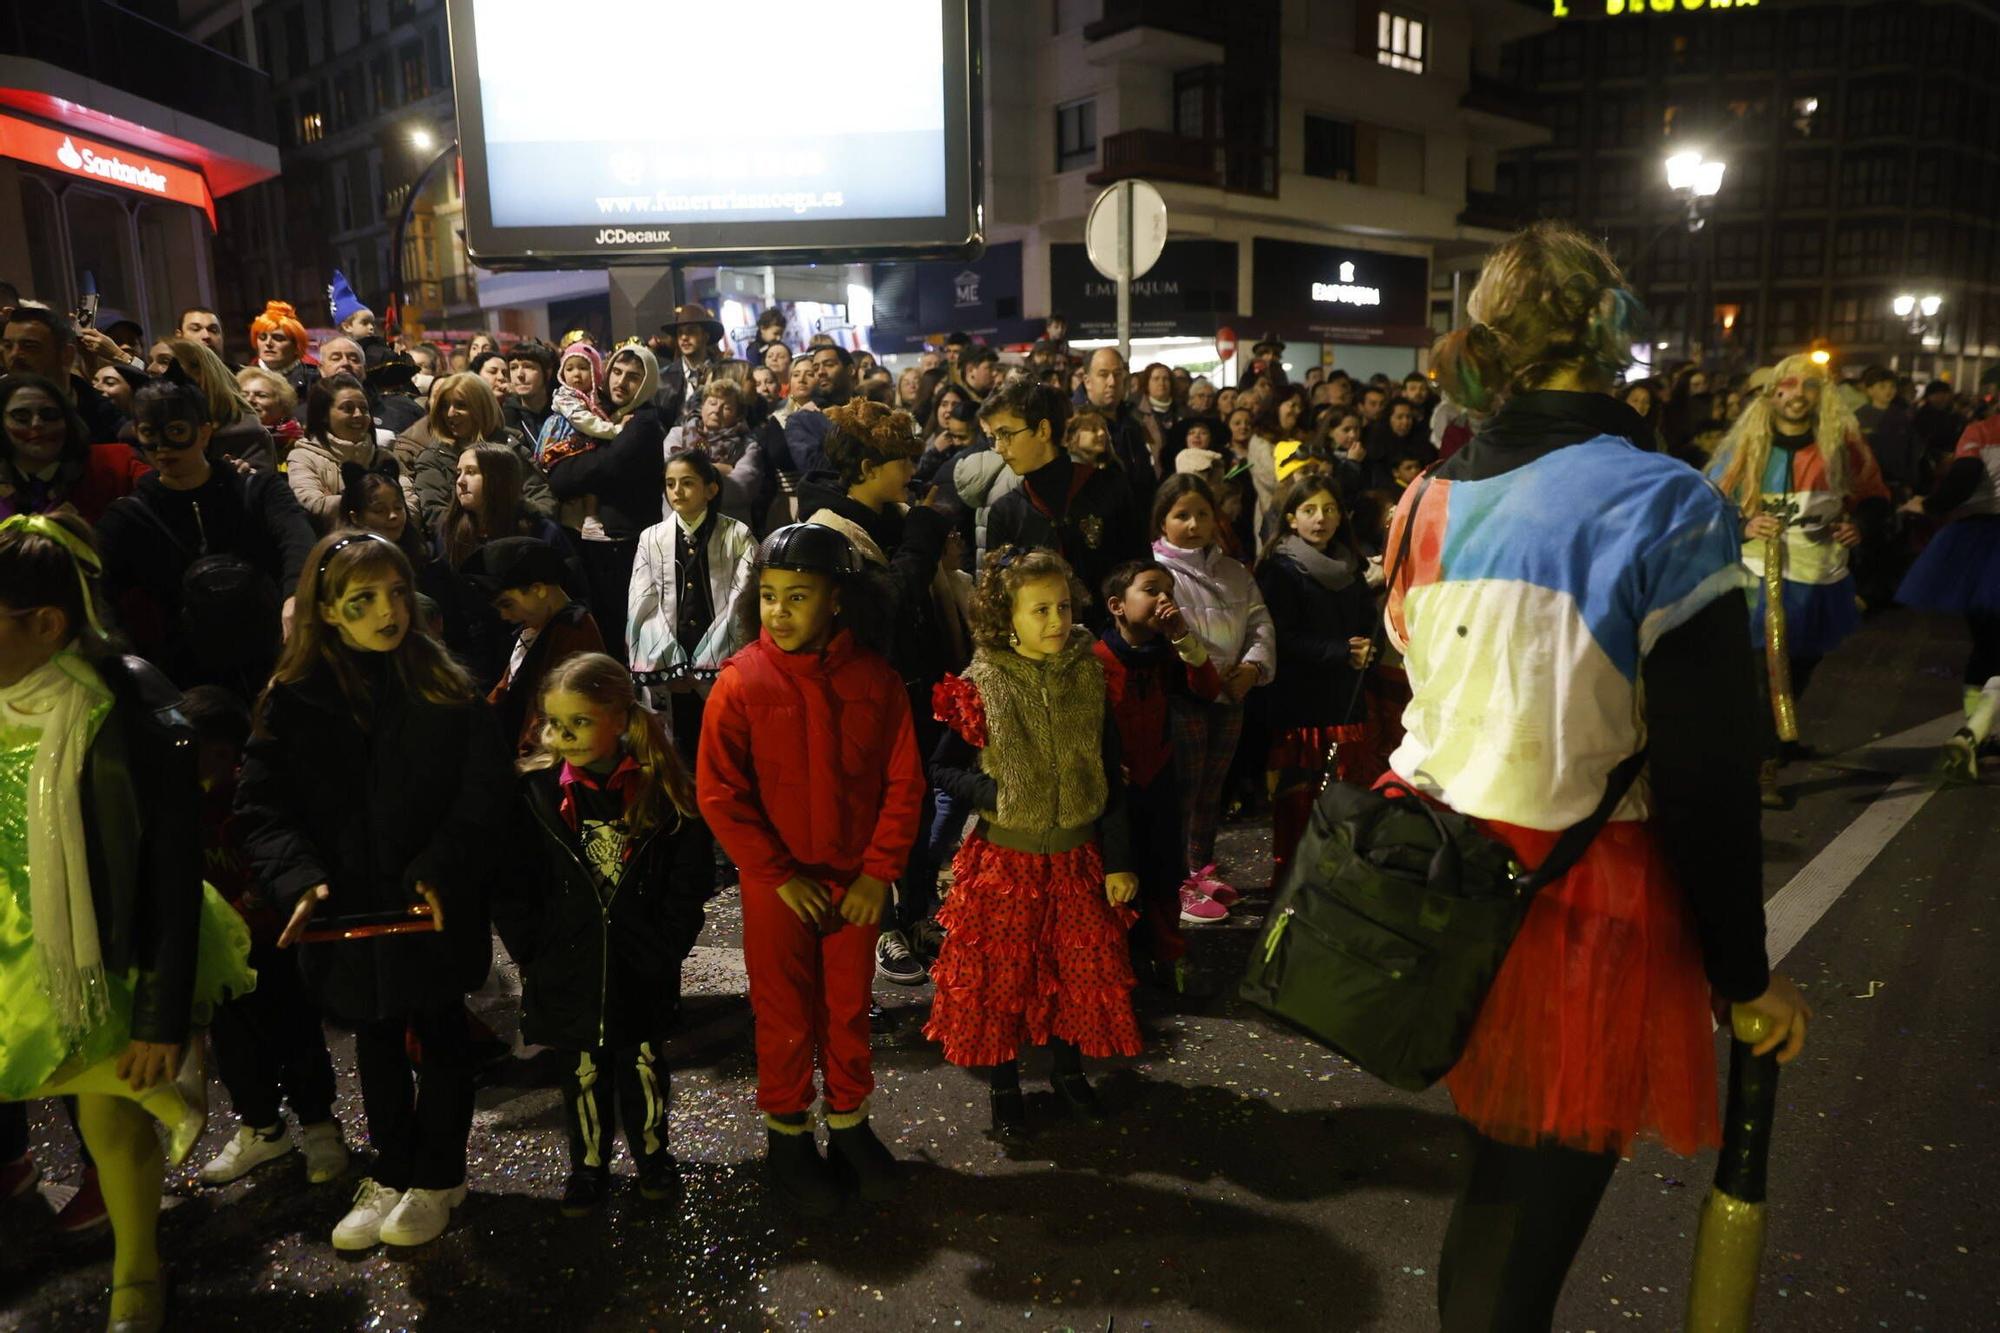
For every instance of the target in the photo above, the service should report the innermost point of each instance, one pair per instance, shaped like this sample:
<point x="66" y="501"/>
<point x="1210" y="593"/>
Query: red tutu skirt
<point x="1598" y="1028"/>
<point x="1032" y="950"/>
<point x="1358" y="758"/>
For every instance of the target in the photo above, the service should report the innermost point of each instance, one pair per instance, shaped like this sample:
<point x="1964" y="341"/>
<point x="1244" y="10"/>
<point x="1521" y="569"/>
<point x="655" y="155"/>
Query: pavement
<point x="1249" y="1180"/>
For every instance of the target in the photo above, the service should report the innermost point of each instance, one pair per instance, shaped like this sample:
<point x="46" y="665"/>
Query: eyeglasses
<point x="1003" y="435"/>
<point x="29" y="416"/>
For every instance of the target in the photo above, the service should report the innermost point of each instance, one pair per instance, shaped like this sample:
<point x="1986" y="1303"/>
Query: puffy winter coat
<point x="1222" y="603"/>
<point x="313" y="469"/>
<point x="599" y="967"/>
<point x="415" y="797"/>
<point x="808" y="764"/>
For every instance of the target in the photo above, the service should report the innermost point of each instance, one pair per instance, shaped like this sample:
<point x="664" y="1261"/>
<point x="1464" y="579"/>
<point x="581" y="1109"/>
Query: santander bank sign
<point x="77" y="155"/>
<point x="110" y="168"/>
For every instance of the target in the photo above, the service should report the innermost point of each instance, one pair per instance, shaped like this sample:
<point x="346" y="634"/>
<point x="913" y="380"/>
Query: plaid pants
<point x="1204" y="736"/>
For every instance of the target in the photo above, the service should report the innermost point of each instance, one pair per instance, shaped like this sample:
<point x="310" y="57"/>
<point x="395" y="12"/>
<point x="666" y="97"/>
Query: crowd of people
<point x="339" y="664"/>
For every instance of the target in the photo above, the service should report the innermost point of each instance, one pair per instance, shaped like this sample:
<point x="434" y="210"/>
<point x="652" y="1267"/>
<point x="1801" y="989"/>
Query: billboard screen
<point x="631" y="133"/>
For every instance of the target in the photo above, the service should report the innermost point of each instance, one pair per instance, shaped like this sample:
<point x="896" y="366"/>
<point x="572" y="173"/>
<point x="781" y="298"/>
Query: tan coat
<point x="313" y="469"/>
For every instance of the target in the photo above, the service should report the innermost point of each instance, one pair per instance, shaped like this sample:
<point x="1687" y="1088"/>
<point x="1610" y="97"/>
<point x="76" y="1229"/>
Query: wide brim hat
<point x="696" y="315"/>
<point x="1270" y="340"/>
<point x="396" y="369"/>
<point x="513" y="562"/>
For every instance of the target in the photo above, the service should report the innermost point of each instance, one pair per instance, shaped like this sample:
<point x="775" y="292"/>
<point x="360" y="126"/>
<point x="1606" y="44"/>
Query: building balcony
<point x="1199" y="19"/>
<point x="1158" y="155"/>
<point x="1163" y="34"/>
<point x="1504" y="114"/>
<point x="1495" y="212"/>
<point x="109" y="44"/>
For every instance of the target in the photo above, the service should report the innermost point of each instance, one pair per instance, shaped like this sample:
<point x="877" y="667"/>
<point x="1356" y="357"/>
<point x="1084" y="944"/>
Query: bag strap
<point x="1576" y="839"/>
<point x="1381" y="634"/>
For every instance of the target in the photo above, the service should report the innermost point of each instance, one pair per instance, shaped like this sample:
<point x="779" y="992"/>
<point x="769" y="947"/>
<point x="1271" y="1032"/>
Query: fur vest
<point x="1043" y="724"/>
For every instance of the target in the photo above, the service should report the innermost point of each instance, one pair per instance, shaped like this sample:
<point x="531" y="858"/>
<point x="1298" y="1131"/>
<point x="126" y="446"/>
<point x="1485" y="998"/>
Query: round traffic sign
<point x="1225" y="343"/>
<point x="1149" y="229"/>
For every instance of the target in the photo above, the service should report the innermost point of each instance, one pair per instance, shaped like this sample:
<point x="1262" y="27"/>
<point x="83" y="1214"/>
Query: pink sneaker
<point x="1197" y="908"/>
<point x="1206" y="883"/>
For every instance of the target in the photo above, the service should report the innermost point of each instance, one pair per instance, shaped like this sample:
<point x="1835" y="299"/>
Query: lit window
<point x="1399" y="40"/>
<point x="311" y="127"/>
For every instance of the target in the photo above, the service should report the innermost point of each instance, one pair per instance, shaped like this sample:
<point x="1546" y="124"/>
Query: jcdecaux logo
<point x="110" y="168"/>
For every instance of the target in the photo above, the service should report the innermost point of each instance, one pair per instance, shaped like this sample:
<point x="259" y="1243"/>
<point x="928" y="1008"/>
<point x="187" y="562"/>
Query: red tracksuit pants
<point x="809" y="993"/>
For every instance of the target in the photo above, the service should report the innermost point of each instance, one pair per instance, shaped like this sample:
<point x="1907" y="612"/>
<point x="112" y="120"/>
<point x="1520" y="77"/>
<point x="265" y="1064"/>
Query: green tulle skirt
<point x="33" y="1045"/>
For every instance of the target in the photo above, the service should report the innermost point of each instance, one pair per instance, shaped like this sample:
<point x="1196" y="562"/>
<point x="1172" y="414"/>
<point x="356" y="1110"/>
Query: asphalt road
<point x="1249" y="1181"/>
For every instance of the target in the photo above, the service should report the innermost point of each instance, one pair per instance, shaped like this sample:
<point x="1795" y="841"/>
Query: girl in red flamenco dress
<point x="1035" y="925"/>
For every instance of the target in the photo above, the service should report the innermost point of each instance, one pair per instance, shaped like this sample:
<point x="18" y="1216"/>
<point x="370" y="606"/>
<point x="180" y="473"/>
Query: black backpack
<point x="230" y="620"/>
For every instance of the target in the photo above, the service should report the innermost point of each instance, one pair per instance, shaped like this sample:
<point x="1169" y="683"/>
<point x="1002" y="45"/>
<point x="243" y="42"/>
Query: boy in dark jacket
<point x="524" y="578"/>
<point x="1149" y="653"/>
<point x="808" y="774"/>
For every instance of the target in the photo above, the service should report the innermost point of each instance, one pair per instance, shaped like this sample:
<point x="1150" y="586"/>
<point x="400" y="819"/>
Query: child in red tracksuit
<point x="807" y="773"/>
<point x="1150" y="654"/>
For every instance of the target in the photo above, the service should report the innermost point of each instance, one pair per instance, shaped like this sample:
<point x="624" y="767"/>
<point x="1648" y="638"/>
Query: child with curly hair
<point x="1034" y="948"/>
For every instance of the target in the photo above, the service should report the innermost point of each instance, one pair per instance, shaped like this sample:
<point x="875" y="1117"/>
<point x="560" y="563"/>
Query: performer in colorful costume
<point x="1796" y="467"/>
<point x="1960" y="572"/>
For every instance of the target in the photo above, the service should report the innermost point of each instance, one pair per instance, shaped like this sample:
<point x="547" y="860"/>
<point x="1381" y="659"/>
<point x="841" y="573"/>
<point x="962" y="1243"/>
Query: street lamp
<point x="422" y="139"/>
<point x="1696" y="179"/>
<point x="1917" y="314"/>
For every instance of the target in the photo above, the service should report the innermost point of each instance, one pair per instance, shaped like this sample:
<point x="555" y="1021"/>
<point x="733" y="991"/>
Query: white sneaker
<point x="244" y="1153"/>
<point x="422" y="1216"/>
<point x="325" y="1150"/>
<point x="362" y="1227"/>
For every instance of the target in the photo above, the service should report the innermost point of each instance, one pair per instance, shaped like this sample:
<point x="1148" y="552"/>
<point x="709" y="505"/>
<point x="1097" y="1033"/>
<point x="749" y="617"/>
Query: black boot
<point x="1010" y="1108"/>
<point x="859" y="1160"/>
<point x="1072" y="1089"/>
<point x="584" y="1191"/>
<point x="799" y="1173"/>
<point x="659" y="1177"/>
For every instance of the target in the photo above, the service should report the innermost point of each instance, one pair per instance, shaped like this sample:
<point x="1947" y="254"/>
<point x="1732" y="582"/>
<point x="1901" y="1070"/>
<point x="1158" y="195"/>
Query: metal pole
<point x="1125" y="193"/>
<point x="403" y="225"/>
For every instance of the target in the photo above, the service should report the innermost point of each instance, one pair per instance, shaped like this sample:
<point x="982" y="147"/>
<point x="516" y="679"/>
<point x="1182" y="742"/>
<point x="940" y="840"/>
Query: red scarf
<point x="624" y="780"/>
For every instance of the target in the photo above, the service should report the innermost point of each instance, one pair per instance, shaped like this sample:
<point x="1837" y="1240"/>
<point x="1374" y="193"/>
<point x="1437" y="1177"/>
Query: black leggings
<point x="1514" y="1232"/>
<point x="1984" y="664"/>
<point x="419" y="1116"/>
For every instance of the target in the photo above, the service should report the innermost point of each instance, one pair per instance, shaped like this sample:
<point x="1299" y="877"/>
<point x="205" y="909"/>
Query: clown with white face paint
<point x="1796" y="467"/>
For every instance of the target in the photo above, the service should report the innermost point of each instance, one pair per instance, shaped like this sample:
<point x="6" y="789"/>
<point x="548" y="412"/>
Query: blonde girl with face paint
<point x="604" y="900"/>
<point x="368" y="795"/>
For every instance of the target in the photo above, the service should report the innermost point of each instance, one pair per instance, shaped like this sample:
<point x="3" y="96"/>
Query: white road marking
<point x="1796" y="908"/>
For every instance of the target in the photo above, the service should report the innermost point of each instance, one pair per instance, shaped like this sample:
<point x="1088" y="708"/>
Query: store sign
<point x="1620" y="8"/>
<point x="76" y="155"/>
<point x="927" y="300"/>
<point x="1326" y="293"/>
<point x="1184" y="294"/>
<point x="1347" y="291"/>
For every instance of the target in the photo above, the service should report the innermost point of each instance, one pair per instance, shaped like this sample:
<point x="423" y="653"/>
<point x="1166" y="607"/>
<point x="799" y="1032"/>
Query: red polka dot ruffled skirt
<point x="1033" y="950"/>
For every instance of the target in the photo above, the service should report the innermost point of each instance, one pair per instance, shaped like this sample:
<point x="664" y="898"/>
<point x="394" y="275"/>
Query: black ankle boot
<point x="800" y="1174"/>
<point x="861" y="1163"/>
<point x="1010" y="1114"/>
<point x="584" y="1191"/>
<point x="1073" y="1090"/>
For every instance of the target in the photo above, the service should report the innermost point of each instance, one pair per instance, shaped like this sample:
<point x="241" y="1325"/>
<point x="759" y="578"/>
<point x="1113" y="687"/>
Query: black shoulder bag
<point x="1396" y="915"/>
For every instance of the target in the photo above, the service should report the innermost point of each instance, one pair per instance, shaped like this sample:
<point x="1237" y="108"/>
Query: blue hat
<point x="341" y="300"/>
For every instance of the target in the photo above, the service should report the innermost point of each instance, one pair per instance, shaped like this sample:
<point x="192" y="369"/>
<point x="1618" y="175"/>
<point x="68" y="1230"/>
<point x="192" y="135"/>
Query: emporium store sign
<point x="77" y="155"/>
<point x="1622" y="8"/>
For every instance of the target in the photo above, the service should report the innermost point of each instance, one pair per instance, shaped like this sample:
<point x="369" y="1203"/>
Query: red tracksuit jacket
<point x="808" y="765"/>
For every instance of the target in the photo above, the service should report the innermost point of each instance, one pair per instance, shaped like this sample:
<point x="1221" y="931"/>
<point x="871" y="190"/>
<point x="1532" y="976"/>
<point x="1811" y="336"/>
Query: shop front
<point x="105" y="188"/>
<point x="1361" y="311"/>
